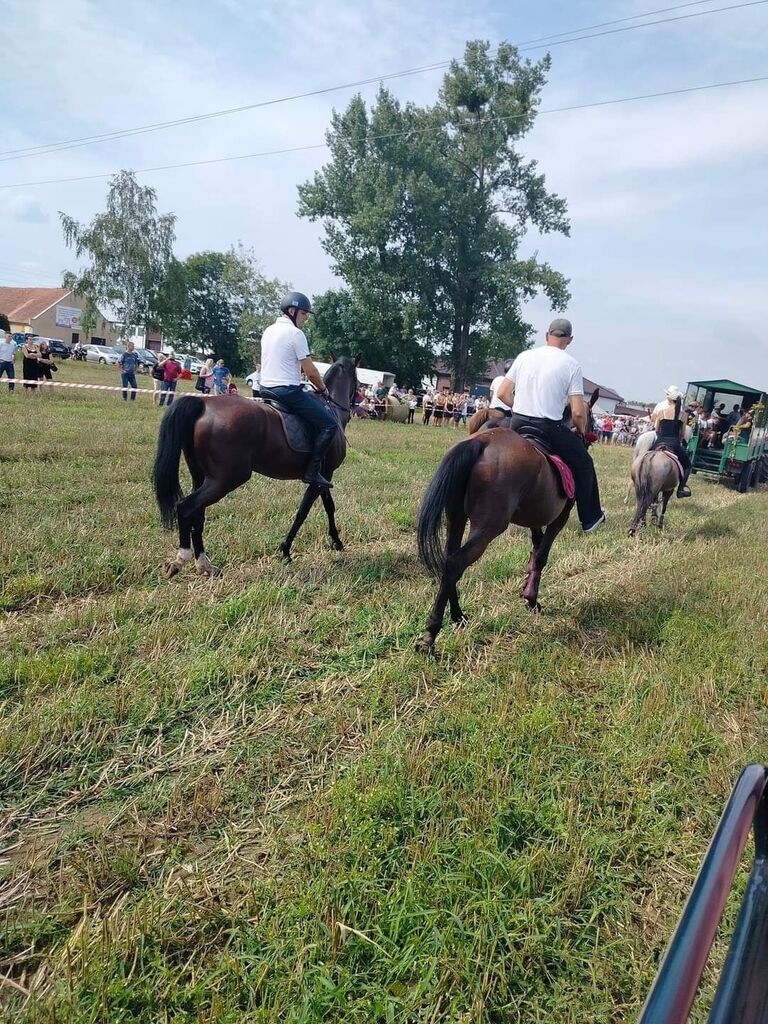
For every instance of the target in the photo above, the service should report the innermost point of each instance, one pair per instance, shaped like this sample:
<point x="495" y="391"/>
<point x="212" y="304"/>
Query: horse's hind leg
<point x="311" y="495"/>
<point x="664" y="502"/>
<point x="456" y="527"/>
<point x="192" y="510"/>
<point x="639" y="520"/>
<point x="537" y="535"/>
<point x="540" y="556"/>
<point x="455" y="567"/>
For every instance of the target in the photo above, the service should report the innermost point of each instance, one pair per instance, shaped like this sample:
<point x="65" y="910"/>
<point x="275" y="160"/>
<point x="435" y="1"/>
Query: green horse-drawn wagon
<point x="720" y="451"/>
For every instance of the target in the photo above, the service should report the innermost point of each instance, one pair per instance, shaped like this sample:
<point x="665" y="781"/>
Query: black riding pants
<point x="570" y="447"/>
<point x="313" y="411"/>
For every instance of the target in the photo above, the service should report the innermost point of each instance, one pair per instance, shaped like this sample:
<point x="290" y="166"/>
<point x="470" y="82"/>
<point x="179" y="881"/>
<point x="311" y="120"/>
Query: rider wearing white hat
<point x="669" y="426"/>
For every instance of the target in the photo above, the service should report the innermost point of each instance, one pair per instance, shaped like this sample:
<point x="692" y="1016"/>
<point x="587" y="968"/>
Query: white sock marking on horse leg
<point x="203" y="564"/>
<point x="185" y="555"/>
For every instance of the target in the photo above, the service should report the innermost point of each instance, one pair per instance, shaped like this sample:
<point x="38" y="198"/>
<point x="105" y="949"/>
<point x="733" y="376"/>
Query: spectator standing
<point x="607" y="430"/>
<point x="220" y="378"/>
<point x="204" y="381"/>
<point x="128" y="362"/>
<point x="171" y="373"/>
<point x="7" y="355"/>
<point x="427" y="406"/>
<point x="157" y="377"/>
<point x="45" y="363"/>
<point x="29" y="364"/>
<point x="413" y="403"/>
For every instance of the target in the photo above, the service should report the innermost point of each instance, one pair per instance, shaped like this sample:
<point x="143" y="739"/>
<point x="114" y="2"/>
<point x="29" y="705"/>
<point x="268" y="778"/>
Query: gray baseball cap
<point x="561" y="328"/>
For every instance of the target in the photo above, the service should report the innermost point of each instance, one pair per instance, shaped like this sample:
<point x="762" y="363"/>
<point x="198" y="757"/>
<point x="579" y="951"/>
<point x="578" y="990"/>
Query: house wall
<point x="45" y="325"/>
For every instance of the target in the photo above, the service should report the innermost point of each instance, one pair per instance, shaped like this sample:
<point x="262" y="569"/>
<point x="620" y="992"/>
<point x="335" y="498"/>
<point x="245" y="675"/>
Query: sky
<point x="668" y="197"/>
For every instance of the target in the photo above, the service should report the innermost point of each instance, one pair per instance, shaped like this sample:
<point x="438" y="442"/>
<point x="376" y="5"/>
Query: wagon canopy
<point x="726" y="387"/>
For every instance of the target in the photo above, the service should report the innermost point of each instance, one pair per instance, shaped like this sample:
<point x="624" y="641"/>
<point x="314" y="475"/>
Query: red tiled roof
<point x="23" y="304"/>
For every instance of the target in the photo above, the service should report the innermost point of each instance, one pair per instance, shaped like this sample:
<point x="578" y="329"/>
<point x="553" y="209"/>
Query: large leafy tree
<point x="129" y="248"/>
<point x="384" y="332"/>
<point x="5" y="323"/>
<point x="219" y="302"/>
<point x="431" y="204"/>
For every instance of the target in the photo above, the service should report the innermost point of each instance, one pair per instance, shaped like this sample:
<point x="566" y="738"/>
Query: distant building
<point x="608" y="400"/>
<point x="53" y="313"/>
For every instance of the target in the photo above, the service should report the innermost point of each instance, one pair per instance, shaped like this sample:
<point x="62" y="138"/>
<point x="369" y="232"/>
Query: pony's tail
<point x="448" y="484"/>
<point x="175" y="434"/>
<point x="477" y="419"/>
<point x="645" y="490"/>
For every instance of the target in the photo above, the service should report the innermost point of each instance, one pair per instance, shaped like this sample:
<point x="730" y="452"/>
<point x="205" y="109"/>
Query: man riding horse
<point x="538" y="385"/>
<point x="284" y="355"/>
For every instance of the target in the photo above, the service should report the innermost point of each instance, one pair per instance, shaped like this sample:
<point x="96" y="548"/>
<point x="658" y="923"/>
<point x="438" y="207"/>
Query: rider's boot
<point x="684" y="491"/>
<point x="312" y="474"/>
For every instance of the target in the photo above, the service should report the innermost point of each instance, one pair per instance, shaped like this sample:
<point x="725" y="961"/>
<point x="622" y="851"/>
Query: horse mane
<point x="341" y="364"/>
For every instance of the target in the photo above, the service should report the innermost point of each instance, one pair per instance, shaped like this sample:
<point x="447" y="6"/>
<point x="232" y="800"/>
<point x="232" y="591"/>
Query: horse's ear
<point x="333" y="356"/>
<point x="358" y="357"/>
<point x="594" y="398"/>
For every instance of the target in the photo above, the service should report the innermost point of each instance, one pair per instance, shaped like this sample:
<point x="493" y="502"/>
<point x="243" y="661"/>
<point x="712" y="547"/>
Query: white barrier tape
<point x="110" y="387"/>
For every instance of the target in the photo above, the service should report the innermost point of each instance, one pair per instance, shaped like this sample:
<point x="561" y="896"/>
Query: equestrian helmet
<point x="295" y="300"/>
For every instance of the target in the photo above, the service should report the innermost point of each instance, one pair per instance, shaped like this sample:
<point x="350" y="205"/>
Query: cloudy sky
<point x="668" y="197"/>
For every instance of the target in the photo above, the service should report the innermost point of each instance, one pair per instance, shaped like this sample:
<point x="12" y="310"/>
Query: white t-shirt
<point x="7" y="349"/>
<point x="544" y="379"/>
<point x="495" y="403"/>
<point x="283" y="346"/>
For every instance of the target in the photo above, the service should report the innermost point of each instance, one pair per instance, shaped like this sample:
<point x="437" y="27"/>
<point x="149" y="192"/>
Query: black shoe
<point x="314" y="476"/>
<point x="683" y="492"/>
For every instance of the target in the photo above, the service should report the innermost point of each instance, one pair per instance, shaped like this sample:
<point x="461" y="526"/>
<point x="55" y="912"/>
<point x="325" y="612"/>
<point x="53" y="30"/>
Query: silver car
<point x="101" y="354"/>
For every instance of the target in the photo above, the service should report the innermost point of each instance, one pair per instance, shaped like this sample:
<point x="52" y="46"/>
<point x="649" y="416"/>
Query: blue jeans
<point x="6" y="367"/>
<point x="169" y="386"/>
<point x="128" y="380"/>
<point x="312" y="410"/>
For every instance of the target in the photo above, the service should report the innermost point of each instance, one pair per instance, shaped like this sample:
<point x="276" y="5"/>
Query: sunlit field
<point x="249" y="799"/>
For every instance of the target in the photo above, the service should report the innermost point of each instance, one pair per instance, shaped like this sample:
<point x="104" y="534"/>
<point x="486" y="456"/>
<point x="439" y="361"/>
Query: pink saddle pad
<point x="674" y="458"/>
<point x="565" y="474"/>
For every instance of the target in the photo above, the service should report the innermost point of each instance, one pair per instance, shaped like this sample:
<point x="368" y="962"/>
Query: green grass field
<point x="249" y="800"/>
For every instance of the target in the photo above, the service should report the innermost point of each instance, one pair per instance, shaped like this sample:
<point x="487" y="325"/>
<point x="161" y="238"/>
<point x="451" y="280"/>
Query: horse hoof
<point x="170" y="569"/>
<point x="534" y="607"/>
<point x="462" y="621"/>
<point x="425" y="644"/>
<point x="337" y="545"/>
<point x="211" y="571"/>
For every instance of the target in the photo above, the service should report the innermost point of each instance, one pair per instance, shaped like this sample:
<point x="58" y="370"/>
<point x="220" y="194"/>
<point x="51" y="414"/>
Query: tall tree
<point x="5" y="323"/>
<point x="383" y="332"/>
<point x="219" y="302"/>
<point x="431" y="204"/>
<point x="129" y="248"/>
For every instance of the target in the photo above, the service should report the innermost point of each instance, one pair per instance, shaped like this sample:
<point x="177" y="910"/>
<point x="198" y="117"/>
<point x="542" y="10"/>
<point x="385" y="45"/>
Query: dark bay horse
<point x="491" y="479"/>
<point x="225" y="440"/>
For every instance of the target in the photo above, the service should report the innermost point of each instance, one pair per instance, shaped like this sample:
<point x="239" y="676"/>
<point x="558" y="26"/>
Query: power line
<point x="391" y="135"/>
<point x="531" y="44"/>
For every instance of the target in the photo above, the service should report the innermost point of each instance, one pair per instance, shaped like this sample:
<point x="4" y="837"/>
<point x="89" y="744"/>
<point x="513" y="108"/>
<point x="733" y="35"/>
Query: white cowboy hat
<point x="673" y="393"/>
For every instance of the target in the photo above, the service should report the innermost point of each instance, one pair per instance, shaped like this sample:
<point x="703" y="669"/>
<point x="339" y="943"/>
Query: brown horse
<point x="225" y="440"/>
<point x="482" y="416"/>
<point x="490" y="479"/>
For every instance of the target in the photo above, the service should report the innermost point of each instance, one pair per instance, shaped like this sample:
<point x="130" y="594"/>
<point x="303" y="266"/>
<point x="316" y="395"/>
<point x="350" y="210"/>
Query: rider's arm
<point x="578" y="413"/>
<point x="506" y="392"/>
<point x="313" y="374"/>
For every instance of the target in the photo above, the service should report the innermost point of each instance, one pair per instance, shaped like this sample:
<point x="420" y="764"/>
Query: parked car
<point x="102" y="354"/>
<point x="58" y="347"/>
<point x="147" y="359"/>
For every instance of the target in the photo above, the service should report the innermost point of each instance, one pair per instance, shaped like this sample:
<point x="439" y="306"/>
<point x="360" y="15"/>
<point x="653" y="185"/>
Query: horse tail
<point x="477" y="419"/>
<point x="176" y="432"/>
<point x="448" y="483"/>
<point x="646" y="492"/>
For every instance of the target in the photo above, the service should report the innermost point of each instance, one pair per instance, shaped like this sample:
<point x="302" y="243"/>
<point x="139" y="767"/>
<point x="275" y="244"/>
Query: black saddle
<point x="529" y="431"/>
<point x="299" y="436"/>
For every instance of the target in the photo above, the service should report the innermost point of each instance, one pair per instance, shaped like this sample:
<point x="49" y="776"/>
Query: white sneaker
<point x="598" y="523"/>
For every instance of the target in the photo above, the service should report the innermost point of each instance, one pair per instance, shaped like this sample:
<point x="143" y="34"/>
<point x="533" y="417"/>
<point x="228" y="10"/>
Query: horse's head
<point x="341" y="381"/>
<point x="590" y="436"/>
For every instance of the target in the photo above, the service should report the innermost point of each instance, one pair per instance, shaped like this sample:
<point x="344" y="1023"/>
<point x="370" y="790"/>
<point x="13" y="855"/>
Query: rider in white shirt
<point x="496" y="402"/>
<point x="284" y="356"/>
<point x="538" y="386"/>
